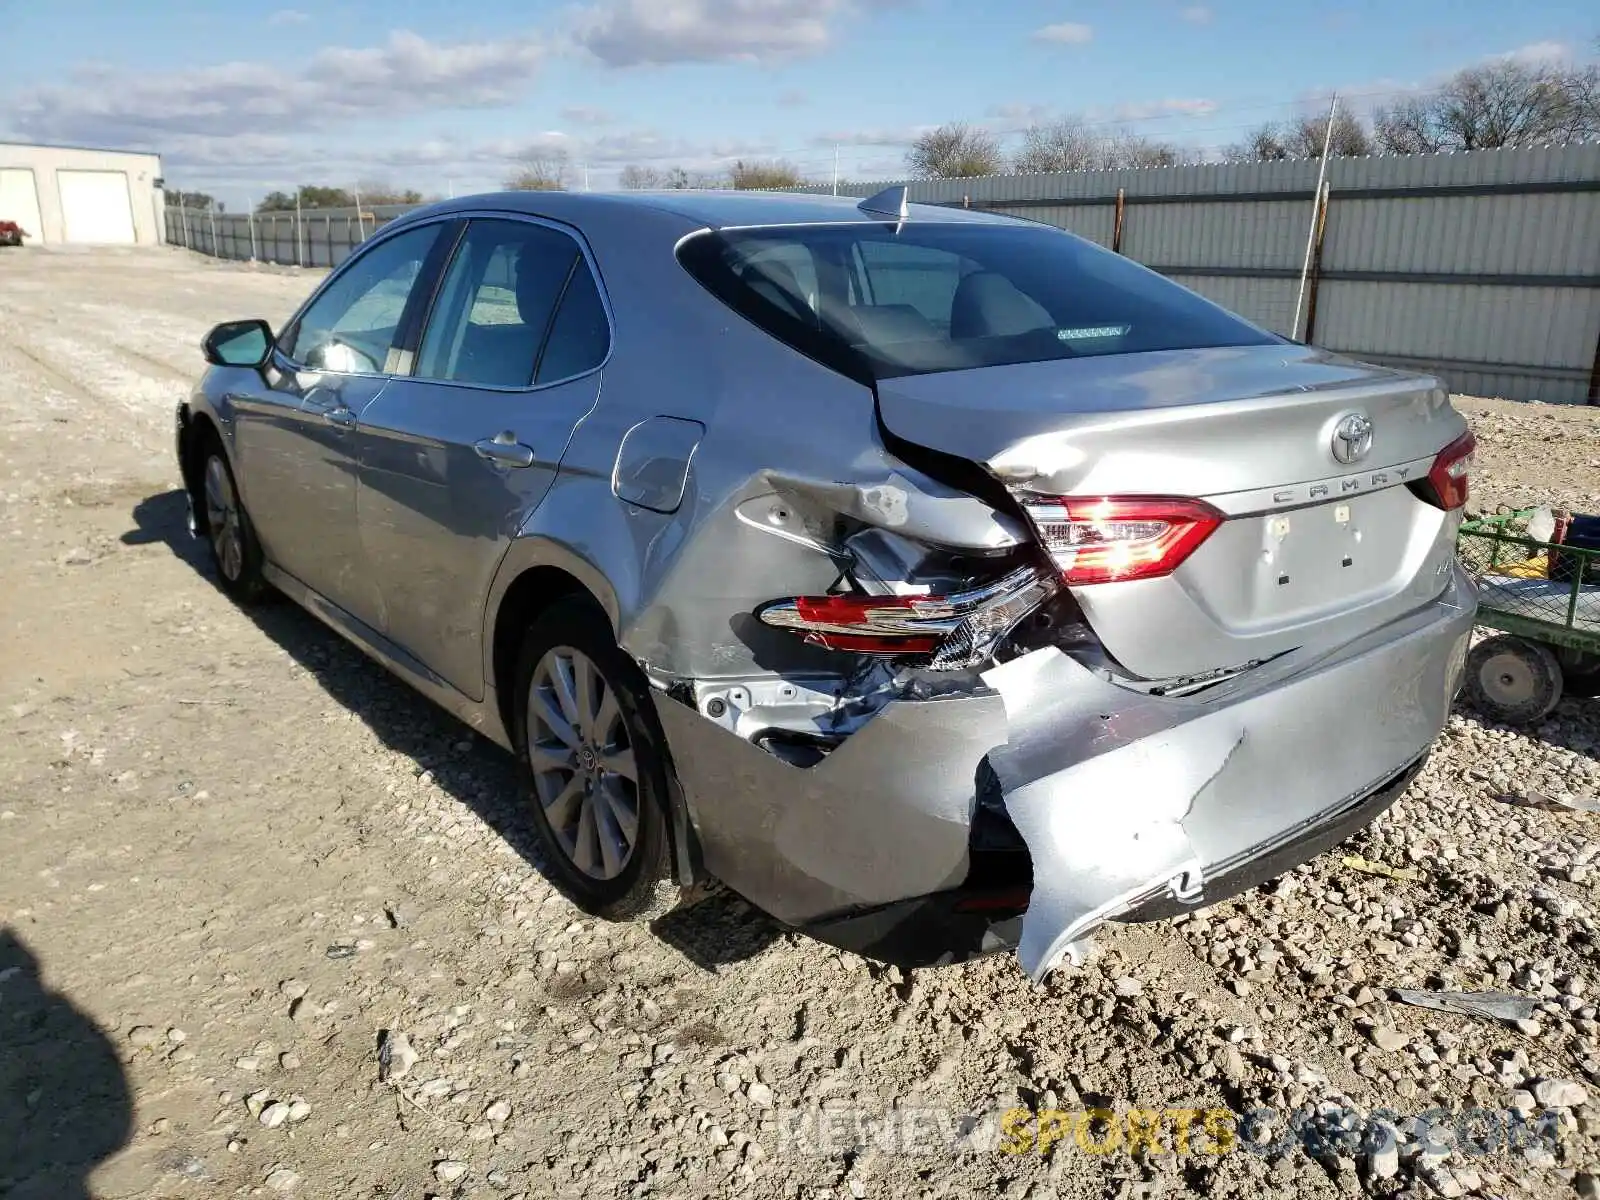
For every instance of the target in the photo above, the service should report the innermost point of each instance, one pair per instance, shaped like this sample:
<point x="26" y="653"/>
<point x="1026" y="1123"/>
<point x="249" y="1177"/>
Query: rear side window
<point x="884" y="300"/>
<point x="494" y="308"/>
<point x="580" y="335"/>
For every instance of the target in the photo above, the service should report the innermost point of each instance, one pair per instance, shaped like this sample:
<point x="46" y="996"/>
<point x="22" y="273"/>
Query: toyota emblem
<point x="1352" y="438"/>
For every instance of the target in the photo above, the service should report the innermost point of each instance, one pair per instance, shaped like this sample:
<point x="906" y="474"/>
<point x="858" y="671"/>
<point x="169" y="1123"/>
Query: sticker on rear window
<point x="1092" y="332"/>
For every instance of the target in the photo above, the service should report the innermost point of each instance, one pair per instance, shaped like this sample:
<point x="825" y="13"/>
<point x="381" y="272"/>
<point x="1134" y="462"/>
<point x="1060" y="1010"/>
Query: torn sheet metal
<point x="1496" y="1006"/>
<point x="1101" y="807"/>
<point x="920" y="508"/>
<point x="1121" y="796"/>
<point x="885" y="816"/>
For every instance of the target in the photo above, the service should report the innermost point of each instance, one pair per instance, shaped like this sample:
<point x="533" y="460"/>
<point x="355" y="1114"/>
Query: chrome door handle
<point x="506" y="452"/>
<point x="343" y="417"/>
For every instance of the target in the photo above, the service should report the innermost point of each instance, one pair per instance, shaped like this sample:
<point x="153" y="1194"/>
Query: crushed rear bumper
<point x="1130" y="806"/>
<point x="971" y="922"/>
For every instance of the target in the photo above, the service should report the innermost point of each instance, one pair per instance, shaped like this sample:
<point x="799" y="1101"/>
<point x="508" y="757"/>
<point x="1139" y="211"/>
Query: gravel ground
<point x="243" y="868"/>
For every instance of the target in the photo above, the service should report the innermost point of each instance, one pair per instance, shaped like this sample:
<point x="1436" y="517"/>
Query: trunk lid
<point x="1314" y="550"/>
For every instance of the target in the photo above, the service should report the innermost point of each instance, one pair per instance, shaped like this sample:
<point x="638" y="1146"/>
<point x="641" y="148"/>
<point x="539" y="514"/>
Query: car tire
<point x="584" y="720"/>
<point x="235" y="552"/>
<point x="1513" y="681"/>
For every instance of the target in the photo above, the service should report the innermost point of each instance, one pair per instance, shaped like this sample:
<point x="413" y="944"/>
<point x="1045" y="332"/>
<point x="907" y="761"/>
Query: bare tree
<point x="1264" y="143"/>
<point x="379" y="191"/>
<point x="677" y="179"/>
<point x="540" y="171"/>
<point x="1127" y="149"/>
<point x="1303" y="138"/>
<point x="757" y="175"/>
<point x="955" y="151"/>
<point x="1066" y="144"/>
<point x="1349" y="138"/>
<point x="1583" y="98"/>
<point x="1498" y="104"/>
<point x="1407" y="128"/>
<point x="636" y="178"/>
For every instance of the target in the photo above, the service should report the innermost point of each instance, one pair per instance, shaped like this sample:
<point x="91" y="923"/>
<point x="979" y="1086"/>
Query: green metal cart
<point x="1544" y="598"/>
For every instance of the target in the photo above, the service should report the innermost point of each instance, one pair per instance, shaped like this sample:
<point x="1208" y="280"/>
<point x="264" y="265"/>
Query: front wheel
<point x="590" y="741"/>
<point x="235" y="553"/>
<point x="1515" y="682"/>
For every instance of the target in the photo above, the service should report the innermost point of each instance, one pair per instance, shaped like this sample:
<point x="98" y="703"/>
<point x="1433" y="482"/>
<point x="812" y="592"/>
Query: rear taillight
<point x="1117" y="539"/>
<point x="951" y="630"/>
<point x="1448" y="475"/>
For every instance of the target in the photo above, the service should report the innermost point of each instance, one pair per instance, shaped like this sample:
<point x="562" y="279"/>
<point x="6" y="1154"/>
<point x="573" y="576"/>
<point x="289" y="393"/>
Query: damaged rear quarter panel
<point x="788" y="447"/>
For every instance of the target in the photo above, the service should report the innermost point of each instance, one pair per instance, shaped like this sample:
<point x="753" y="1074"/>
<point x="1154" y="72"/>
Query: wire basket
<point x="1546" y="590"/>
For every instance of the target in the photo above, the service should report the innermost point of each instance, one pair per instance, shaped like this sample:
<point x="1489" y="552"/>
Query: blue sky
<point x="441" y="96"/>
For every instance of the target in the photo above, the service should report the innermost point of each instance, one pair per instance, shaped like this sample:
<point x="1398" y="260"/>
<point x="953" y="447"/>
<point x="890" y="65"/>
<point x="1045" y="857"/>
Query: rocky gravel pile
<point x="268" y="925"/>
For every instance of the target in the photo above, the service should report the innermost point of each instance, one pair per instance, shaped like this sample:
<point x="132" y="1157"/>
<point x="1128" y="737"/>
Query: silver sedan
<point x="937" y="581"/>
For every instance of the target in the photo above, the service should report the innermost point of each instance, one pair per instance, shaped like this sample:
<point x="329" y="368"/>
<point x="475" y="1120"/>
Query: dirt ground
<point x="235" y="857"/>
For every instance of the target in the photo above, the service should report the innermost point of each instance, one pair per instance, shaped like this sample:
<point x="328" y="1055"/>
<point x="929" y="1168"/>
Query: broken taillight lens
<point x="952" y="630"/>
<point x="866" y="624"/>
<point x="1117" y="539"/>
<point x="1448" y="475"/>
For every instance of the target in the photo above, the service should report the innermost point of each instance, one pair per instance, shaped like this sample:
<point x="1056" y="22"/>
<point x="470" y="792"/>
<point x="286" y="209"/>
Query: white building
<point x="72" y="194"/>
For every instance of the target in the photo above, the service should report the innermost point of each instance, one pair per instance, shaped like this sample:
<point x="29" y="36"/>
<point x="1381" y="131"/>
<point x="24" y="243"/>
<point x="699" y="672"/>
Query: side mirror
<point x="238" y="344"/>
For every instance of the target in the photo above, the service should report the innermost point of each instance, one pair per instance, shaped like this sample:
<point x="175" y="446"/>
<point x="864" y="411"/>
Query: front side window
<point x="492" y="318"/>
<point x="350" y="328"/>
<point x="915" y="298"/>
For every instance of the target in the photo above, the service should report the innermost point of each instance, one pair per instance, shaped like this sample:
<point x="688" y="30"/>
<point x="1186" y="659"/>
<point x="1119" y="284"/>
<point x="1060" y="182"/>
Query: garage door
<point x="19" y="201"/>
<point x="96" y="206"/>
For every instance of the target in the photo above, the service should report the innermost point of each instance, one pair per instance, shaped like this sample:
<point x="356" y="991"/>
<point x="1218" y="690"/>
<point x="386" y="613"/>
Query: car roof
<point x="714" y="210"/>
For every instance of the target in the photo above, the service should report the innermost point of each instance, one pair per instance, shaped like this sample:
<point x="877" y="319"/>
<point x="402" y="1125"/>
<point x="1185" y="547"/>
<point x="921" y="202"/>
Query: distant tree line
<point x="1495" y="106"/>
<point x="551" y="171"/>
<point x="1505" y="103"/>
<point x="1501" y="104"/>
<point x="203" y="201"/>
<point x="315" y="196"/>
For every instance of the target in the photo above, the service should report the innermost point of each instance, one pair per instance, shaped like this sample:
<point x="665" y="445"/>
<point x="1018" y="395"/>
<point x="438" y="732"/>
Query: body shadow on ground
<point x="719" y="930"/>
<point x="65" y="1104"/>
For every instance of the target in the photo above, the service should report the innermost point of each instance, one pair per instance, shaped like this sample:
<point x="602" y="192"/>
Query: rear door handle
<point x="505" y="451"/>
<point x="343" y="417"/>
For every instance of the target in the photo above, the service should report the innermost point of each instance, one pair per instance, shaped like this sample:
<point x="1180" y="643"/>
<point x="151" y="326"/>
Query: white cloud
<point x="1197" y="14"/>
<point x="903" y="135"/>
<point x="169" y="111"/>
<point x="1067" y="33"/>
<point x="629" y="33"/>
<point x="582" y="114"/>
<point x="1150" y="109"/>
<point x="1536" y="53"/>
<point x="1020" y="115"/>
<point x="288" y="16"/>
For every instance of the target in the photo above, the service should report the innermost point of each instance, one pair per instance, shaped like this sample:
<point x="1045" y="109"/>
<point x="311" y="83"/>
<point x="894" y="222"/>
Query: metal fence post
<point x="1315" y="275"/>
<point x="1117" y="218"/>
<point x="216" y="251"/>
<point x="251" y="215"/>
<point x="299" y="254"/>
<point x="1594" y="374"/>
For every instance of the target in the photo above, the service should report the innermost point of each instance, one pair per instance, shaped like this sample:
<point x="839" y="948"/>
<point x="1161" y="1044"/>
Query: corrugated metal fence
<point x="319" y="237"/>
<point x="1482" y="267"/>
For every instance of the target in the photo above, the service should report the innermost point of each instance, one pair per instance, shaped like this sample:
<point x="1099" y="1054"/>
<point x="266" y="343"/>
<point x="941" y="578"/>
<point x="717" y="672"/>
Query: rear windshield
<point x="876" y="302"/>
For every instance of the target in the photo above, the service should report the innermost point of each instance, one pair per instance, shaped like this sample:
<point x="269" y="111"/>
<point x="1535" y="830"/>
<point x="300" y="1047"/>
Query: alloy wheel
<point x="585" y="774"/>
<point x="222" y="519"/>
